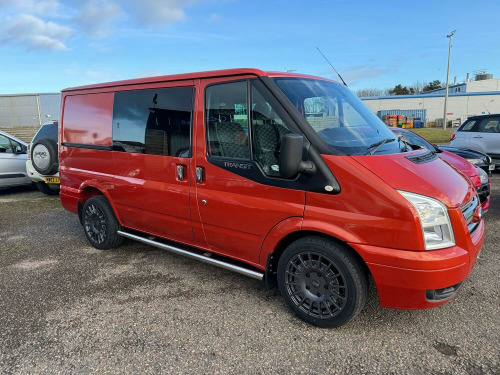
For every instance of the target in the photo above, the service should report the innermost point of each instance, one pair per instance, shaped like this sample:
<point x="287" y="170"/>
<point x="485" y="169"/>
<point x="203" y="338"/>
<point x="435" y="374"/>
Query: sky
<point x="48" y="45"/>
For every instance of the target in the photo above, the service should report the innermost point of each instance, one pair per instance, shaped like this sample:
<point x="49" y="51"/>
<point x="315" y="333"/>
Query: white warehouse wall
<point x="460" y="105"/>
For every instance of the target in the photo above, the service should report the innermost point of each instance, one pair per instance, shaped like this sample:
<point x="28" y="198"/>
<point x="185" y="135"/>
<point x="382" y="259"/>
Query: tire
<point x="322" y="282"/>
<point x="100" y="224"/>
<point x="46" y="189"/>
<point x="44" y="156"/>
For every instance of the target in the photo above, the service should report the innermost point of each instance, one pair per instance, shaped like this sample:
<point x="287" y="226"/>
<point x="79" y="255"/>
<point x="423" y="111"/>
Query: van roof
<point x="195" y="75"/>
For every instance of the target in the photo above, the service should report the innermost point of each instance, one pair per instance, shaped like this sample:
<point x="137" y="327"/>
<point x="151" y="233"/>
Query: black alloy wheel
<point x="100" y="224"/>
<point x="95" y="224"/>
<point x="315" y="285"/>
<point x="322" y="281"/>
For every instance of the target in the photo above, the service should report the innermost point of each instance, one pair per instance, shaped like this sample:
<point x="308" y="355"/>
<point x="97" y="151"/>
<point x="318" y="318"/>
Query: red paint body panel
<point x="247" y="221"/>
<point x="435" y="179"/>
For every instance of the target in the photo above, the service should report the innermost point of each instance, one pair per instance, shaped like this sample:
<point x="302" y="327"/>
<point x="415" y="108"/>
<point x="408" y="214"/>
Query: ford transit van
<point x="282" y="177"/>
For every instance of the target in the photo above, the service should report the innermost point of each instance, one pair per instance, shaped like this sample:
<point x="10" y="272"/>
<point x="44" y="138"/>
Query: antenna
<point x="486" y="109"/>
<point x="345" y="84"/>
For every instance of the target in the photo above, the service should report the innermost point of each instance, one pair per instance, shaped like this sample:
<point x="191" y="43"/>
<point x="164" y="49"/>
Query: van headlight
<point x="434" y="220"/>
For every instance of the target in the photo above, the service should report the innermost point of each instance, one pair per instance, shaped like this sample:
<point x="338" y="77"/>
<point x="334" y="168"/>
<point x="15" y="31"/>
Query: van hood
<point x="433" y="178"/>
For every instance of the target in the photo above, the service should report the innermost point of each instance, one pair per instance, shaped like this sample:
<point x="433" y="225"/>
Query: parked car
<point x="453" y="156"/>
<point x="228" y="167"/>
<point x="480" y="133"/>
<point x="12" y="161"/>
<point x="43" y="159"/>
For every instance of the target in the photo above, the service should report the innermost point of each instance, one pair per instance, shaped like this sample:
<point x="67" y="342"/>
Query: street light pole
<point x="447" y="79"/>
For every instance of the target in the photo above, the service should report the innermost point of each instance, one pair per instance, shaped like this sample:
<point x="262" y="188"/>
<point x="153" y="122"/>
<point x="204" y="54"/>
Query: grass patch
<point x="434" y="135"/>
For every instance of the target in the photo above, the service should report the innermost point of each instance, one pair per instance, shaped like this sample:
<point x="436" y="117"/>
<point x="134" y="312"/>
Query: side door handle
<point x="180" y="173"/>
<point x="477" y="137"/>
<point x="200" y="174"/>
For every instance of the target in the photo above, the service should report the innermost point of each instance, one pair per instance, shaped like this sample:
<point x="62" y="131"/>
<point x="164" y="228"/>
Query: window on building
<point x="156" y="121"/>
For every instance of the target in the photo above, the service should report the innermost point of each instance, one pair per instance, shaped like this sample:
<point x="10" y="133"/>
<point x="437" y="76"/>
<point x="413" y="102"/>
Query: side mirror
<point x="18" y="150"/>
<point x="291" y="156"/>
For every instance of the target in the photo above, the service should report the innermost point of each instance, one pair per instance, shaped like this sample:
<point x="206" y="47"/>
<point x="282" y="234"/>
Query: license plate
<point x="52" y="180"/>
<point x="491" y="167"/>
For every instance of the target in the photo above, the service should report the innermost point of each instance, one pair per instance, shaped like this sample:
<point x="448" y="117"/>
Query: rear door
<point x="12" y="164"/>
<point x="240" y="195"/>
<point x="462" y="135"/>
<point x="486" y="137"/>
<point x="152" y="159"/>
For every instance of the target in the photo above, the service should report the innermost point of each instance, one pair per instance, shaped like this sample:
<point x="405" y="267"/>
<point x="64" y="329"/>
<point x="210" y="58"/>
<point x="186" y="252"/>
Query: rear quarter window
<point x="46" y="131"/>
<point x="467" y="126"/>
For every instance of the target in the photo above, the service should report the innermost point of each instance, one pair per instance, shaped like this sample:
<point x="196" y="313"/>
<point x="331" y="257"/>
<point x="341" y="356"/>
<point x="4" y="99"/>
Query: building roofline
<point x="431" y="95"/>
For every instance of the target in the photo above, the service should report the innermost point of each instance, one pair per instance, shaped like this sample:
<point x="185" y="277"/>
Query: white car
<point x="43" y="159"/>
<point x="480" y="133"/>
<point x="12" y="161"/>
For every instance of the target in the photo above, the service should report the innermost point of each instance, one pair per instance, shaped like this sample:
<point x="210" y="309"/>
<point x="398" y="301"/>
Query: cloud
<point x="159" y="13"/>
<point x="214" y="17"/>
<point x="35" y="33"/>
<point x="96" y="17"/>
<point x="45" y="7"/>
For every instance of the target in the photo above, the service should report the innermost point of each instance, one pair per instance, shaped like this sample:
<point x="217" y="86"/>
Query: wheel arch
<point x="90" y="189"/>
<point x="272" y="258"/>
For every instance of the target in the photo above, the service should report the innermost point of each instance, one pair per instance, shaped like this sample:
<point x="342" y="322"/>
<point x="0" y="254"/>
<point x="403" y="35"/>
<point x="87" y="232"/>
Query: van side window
<point x="227" y="120"/>
<point x="156" y="121"/>
<point x="267" y="129"/>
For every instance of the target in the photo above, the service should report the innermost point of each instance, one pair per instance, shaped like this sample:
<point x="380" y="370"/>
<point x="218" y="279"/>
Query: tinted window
<point x="267" y="130"/>
<point x="5" y="145"/>
<point x="156" y="121"/>
<point x="227" y="120"/>
<point x="489" y="125"/>
<point x="47" y="131"/>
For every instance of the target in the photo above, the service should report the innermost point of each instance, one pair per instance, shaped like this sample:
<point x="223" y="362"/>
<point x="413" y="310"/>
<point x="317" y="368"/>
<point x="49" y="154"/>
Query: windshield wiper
<point x="376" y="145"/>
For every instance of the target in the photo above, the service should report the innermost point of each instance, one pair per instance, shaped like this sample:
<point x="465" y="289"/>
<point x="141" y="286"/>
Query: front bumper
<point x="403" y="277"/>
<point x="34" y="175"/>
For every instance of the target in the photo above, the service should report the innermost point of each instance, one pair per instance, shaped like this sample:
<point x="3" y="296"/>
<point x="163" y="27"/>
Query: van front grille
<point x="468" y="210"/>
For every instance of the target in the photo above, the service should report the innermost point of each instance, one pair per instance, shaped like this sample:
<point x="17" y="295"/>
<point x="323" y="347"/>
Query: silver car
<point x="480" y="133"/>
<point x="12" y="161"/>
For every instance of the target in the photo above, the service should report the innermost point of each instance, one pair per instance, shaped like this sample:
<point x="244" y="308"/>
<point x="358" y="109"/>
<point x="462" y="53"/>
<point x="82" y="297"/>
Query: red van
<point x="282" y="177"/>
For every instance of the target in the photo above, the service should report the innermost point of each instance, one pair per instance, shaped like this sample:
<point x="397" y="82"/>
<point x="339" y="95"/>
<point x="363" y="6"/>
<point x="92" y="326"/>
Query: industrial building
<point x="28" y="109"/>
<point x="460" y="105"/>
<point x="481" y="96"/>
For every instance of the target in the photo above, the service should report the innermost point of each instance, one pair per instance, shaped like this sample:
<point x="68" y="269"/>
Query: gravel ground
<point x="66" y="307"/>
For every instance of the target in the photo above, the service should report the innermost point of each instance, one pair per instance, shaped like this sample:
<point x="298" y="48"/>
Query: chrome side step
<point x="203" y="258"/>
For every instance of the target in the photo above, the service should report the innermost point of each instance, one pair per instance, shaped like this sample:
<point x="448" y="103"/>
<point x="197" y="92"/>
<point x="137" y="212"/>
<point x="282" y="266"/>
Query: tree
<point x="400" y="90"/>
<point x="436" y="84"/>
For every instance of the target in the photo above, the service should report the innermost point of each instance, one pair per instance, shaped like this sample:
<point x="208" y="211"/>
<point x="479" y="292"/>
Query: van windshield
<point x="343" y="121"/>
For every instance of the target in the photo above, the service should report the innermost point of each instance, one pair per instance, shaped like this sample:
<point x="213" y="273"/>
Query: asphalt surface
<point x="66" y="307"/>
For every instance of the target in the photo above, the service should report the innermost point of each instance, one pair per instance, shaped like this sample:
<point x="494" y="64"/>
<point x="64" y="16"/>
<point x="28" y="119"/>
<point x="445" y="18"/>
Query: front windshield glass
<point x="343" y="121"/>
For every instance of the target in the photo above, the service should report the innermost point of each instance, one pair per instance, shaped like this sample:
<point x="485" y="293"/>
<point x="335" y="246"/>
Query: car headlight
<point x="483" y="176"/>
<point x="434" y="220"/>
<point x="475" y="161"/>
